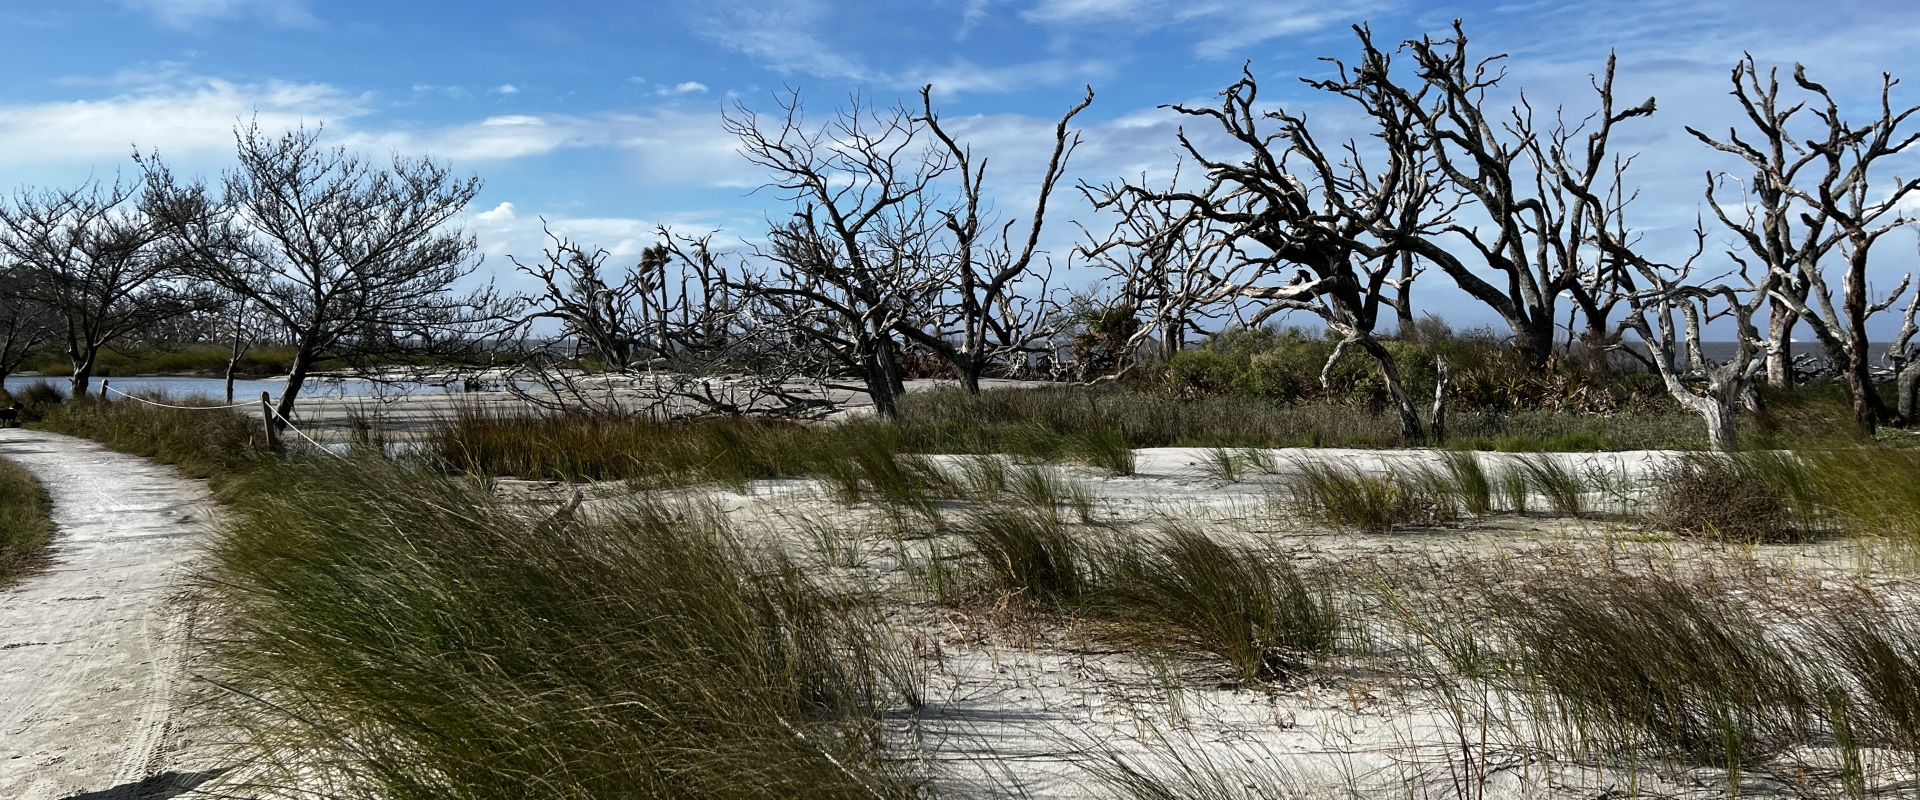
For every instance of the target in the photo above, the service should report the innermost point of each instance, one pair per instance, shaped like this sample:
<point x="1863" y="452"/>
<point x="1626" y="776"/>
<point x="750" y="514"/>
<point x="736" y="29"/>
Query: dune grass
<point x="395" y="633"/>
<point x="26" y="525"/>
<point x="1029" y="555"/>
<point x="1251" y="610"/>
<point x="1356" y="499"/>
<point x="1044" y="422"/>
<point x="1654" y="664"/>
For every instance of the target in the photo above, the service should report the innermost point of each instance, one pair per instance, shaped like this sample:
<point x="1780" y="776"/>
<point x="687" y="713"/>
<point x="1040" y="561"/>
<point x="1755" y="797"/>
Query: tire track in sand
<point x="91" y="648"/>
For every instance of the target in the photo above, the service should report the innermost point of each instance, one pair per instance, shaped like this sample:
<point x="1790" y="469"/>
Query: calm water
<point x="216" y="388"/>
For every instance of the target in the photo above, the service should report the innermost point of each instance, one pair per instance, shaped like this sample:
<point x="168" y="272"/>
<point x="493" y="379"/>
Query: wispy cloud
<point x="791" y="37"/>
<point x="182" y="116"/>
<point x="1221" y="29"/>
<point x="188" y="13"/>
<point x="784" y="36"/>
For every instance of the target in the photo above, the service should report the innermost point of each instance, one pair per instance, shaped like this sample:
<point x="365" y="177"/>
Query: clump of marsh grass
<point x="1563" y="487"/>
<point x="1865" y="491"/>
<point x="1044" y="492"/>
<point x="25" y="522"/>
<point x="399" y="634"/>
<point x="200" y="442"/>
<point x="1028" y="554"/>
<point x="1221" y="465"/>
<point x="1105" y="447"/>
<point x="1229" y="465"/>
<point x="1877" y="655"/>
<point x="982" y="477"/>
<point x="1360" y="500"/>
<point x="1742" y="497"/>
<point x="1655" y="663"/>
<point x="1470" y="481"/>
<point x="1253" y="611"/>
<point x="872" y="466"/>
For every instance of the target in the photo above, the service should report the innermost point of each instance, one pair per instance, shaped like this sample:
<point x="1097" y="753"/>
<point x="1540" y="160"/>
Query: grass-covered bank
<point x="25" y="522"/>
<point x="200" y="442"/>
<point x="401" y="634"/>
<point x="189" y="359"/>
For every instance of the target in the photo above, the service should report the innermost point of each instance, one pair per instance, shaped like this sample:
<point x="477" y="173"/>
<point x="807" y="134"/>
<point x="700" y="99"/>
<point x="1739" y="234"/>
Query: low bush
<point x="1727" y="497"/>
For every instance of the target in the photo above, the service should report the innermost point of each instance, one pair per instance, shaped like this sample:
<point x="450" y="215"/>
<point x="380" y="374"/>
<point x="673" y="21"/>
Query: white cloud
<point x="1085" y="11"/>
<point x="506" y="88"/>
<point x="685" y="87"/>
<point x="188" y="13"/>
<point x="180" y="118"/>
<point x="500" y="213"/>
<point x="490" y="139"/>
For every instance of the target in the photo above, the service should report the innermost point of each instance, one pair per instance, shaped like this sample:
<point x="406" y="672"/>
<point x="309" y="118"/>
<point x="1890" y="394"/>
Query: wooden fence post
<point x="103" y="389"/>
<point x="266" y="420"/>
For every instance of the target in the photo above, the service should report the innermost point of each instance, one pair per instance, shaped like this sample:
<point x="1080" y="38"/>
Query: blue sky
<point x="603" y="117"/>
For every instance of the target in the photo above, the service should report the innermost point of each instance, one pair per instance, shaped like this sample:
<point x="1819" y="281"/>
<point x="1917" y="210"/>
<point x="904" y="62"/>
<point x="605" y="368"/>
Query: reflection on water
<point x="216" y="388"/>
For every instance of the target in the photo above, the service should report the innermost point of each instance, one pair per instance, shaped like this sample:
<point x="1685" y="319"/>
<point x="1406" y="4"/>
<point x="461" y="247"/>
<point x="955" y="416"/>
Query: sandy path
<point x="90" y="649"/>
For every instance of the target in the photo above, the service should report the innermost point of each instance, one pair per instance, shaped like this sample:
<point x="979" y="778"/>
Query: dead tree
<point x="88" y="255"/>
<point x="1810" y="211"/>
<point x="1905" y="363"/>
<point x="1308" y="230"/>
<point x="1164" y="256"/>
<point x="624" y="320"/>
<point x="855" y="262"/>
<point x="1666" y="312"/>
<point x="665" y="337"/>
<point x="356" y="261"/>
<point x="996" y="304"/>
<point x="1531" y="189"/>
<point x="26" y="326"/>
<point x="1772" y="213"/>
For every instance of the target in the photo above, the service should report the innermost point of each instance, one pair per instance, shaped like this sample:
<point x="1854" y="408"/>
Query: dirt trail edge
<point x="91" y="648"/>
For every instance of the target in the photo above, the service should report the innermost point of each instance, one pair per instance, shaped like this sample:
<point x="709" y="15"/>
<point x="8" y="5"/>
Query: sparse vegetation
<point x="751" y="601"/>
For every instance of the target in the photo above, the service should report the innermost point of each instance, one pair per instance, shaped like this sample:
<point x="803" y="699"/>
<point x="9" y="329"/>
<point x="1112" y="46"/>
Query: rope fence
<point x="110" y="388"/>
<point x="268" y="408"/>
